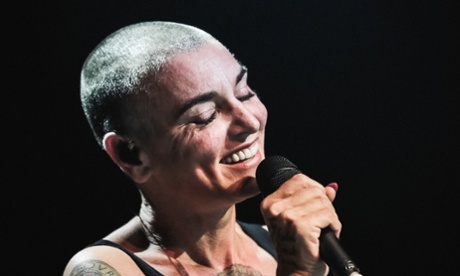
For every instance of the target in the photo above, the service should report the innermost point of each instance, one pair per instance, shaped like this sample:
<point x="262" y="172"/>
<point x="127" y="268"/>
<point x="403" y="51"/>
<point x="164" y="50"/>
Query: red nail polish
<point x="334" y="186"/>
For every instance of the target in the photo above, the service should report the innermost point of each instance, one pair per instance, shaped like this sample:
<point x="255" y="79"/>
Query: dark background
<point x="364" y="93"/>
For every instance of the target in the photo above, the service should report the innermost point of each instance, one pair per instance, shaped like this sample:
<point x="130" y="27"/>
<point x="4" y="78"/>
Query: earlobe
<point x="134" y="162"/>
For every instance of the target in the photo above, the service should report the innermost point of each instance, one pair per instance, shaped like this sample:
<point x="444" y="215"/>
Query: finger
<point x="305" y="197"/>
<point x="331" y="190"/>
<point x="296" y="182"/>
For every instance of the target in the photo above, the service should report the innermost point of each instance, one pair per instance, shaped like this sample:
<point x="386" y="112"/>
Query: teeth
<point x="242" y="155"/>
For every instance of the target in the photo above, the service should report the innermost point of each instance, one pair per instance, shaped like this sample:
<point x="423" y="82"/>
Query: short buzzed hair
<point x="116" y="78"/>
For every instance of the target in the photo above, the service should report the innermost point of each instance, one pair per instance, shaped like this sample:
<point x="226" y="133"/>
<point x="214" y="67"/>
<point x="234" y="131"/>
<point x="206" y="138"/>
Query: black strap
<point x="260" y="236"/>
<point x="143" y="266"/>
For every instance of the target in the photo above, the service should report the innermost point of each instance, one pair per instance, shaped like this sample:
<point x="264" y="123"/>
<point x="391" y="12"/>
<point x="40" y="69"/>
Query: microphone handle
<point x="335" y="256"/>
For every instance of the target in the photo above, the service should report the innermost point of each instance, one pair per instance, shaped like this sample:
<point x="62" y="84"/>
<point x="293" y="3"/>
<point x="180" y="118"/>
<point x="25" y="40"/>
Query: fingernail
<point x="334" y="186"/>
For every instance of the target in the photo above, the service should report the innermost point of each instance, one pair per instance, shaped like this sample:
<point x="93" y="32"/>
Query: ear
<point x="134" y="162"/>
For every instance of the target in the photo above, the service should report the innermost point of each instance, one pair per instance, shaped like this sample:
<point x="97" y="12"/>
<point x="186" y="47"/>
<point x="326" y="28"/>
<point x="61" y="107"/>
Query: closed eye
<point x="246" y="97"/>
<point x="207" y="120"/>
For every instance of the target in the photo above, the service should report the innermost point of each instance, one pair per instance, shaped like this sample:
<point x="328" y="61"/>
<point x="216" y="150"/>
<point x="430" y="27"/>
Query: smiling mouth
<point x="241" y="155"/>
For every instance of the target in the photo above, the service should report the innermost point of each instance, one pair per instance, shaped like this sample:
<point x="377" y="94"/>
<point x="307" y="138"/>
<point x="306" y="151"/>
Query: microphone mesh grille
<point x="273" y="172"/>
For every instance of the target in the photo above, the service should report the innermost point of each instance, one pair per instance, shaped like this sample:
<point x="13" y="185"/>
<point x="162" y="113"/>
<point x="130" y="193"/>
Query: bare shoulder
<point x="108" y="260"/>
<point x="101" y="260"/>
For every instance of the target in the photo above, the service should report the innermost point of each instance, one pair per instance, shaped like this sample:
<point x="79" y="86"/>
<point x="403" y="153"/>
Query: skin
<point x="189" y="192"/>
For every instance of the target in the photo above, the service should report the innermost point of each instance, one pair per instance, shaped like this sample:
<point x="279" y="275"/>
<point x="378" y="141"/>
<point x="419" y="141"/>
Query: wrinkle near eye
<point x="185" y="136"/>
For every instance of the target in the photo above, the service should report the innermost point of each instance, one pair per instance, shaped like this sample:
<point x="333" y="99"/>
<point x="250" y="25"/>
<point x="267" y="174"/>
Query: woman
<point x="172" y="108"/>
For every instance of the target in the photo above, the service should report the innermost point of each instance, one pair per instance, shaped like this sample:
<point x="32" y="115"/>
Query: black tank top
<point x="255" y="231"/>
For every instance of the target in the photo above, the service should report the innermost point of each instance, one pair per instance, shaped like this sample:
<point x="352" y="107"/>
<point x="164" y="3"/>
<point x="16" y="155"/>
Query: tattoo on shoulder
<point x="94" y="268"/>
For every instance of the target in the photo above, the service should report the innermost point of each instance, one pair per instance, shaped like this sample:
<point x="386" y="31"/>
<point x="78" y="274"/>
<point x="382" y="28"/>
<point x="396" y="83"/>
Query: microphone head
<point x="272" y="172"/>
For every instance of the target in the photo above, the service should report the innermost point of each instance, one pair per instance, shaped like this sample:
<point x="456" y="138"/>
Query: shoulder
<point x="101" y="260"/>
<point x="109" y="260"/>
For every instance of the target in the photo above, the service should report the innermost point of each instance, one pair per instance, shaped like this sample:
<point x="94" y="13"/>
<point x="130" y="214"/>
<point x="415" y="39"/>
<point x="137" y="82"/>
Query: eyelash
<point x="206" y="121"/>
<point x="210" y="119"/>
<point x="246" y="97"/>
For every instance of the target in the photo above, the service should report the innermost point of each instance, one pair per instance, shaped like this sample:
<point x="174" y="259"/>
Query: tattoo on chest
<point x="94" y="268"/>
<point x="239" y="270"/>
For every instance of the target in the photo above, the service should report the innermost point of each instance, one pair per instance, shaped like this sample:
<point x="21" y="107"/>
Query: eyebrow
<point x="243" y="71"/>
<point x="209" y="95"/>
<point x="197" y="100"/>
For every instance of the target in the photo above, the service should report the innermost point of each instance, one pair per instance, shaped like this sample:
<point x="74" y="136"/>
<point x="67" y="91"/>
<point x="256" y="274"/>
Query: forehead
<point x="199" y="71"/>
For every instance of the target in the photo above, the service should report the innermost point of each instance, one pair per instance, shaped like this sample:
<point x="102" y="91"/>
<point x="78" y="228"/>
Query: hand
<point x="295" y="214"/>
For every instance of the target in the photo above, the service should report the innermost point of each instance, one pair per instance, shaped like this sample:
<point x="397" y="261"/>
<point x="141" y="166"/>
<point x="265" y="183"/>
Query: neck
<point x="194" y="239"/>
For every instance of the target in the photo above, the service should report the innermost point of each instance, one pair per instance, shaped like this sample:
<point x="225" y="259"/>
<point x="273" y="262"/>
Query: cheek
<point x="198" y="145"/>
<point x="212" y="140"/>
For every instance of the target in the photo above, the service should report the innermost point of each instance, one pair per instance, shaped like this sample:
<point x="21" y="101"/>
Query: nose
<point x="243" y="122"/>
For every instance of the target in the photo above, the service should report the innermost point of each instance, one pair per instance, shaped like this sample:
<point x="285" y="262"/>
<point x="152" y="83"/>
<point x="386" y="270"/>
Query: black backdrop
<point x="359" y="92"/>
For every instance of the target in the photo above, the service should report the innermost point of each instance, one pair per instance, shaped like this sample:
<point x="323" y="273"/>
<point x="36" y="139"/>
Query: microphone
<point x="270" y="175"/>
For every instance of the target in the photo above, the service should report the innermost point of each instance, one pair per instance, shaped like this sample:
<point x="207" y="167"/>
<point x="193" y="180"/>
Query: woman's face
<point x="208" y="129"/>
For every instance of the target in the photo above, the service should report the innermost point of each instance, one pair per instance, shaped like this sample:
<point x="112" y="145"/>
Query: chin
<point x="249" y="188"/>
